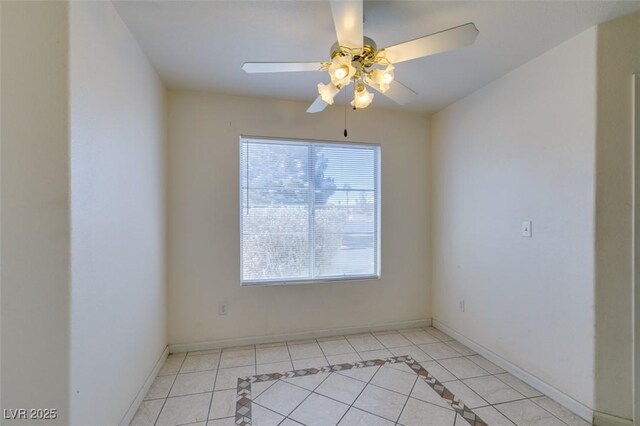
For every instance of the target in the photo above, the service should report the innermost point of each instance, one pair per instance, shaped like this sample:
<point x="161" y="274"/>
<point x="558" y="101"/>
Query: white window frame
<point x="377" y="149"/>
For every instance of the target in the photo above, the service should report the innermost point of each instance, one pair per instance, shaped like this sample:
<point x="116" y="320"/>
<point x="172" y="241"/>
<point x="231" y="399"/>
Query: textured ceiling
<point x="202" y="44"/>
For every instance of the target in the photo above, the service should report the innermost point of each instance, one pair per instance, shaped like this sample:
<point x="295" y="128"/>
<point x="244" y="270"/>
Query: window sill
<point x="307" y="282"/>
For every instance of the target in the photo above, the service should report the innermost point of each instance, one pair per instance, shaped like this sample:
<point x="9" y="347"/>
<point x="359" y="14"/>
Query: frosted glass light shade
<point x="327" y="92"/>
<point x="362" y="98"/>
<point x="341" y="70"/>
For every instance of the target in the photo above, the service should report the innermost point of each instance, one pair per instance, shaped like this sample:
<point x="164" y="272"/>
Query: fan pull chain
<point x="345" y="115"/>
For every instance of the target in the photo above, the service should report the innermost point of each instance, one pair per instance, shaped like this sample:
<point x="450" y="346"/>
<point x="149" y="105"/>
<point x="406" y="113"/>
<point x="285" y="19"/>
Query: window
<point x="309" y="211"/>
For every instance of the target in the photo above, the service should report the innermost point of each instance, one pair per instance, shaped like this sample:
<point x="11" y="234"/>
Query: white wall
<point x="522" y="148"/>
<point x="35" y="208"/>
<point x="203" y="221"/>
<point x="618" y="60"/>
<point x="117" y="211"/>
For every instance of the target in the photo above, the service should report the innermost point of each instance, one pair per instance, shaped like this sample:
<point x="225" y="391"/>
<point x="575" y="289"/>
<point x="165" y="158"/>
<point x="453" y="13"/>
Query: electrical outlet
<point x="461" y="305"/>
<point x="526" y="229"/>
<point x="223" y="308"/>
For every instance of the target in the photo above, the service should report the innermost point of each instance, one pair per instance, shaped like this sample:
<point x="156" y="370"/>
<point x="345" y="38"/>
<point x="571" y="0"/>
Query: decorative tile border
<point x="243" y="400"/>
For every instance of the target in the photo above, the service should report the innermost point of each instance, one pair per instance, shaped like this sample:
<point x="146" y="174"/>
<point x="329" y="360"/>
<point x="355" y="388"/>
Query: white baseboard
<point x="226" y="343"/>
<point x="577" y="407"/>
<point x="604" y="419"/>
<point x="128" y="416"/>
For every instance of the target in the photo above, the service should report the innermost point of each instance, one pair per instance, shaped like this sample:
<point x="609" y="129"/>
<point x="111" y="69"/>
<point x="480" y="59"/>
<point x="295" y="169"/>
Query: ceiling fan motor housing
<point x="369" y="49"/>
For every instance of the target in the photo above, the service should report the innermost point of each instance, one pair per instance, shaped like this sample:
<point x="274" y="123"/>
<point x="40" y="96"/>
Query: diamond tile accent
<point x="356" y="370"/>
<point x="285" y="396"/>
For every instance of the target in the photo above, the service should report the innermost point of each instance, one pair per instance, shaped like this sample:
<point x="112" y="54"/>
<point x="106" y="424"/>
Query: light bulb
<point x="341" y="70"/>
<point x="387" y="77"/>
<point x="380" y="79"/>
<point x="362" y="98"/>
<point x="328" y="92"/>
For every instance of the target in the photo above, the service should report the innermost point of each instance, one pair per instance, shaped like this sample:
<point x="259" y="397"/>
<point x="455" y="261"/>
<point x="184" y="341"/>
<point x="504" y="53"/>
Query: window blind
<point x="309" y="211"/>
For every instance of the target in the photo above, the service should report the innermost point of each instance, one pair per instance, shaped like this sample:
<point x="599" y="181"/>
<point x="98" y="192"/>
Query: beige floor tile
<point x="402" y="366"/>
<point x="229" y="421"/>
<point x="424" y="392"/>
<point x="271" y="355"/>
<point x="460" y="421"/>
<point x="443" y="337"/>
<point x="305" y="350"/>
<point x="336" y="347"/>
<point x="395" y="380"/>
<point x="459" y="347"/>
<point x="276" y="367"/>
<point x="420" y="337"/>
<point x="420" y="413"/>
<point x="228" y="377"/>
<point x="185" y="409"/>
<point x="282" y="397"/>
<point x="363" y="374"/>
<point x="343" y="359"/>
<point x="200" y="363"/>
<point x="310" y="363"/>
<point x="160" y="387"/>
<point x="237" y="358"/>
<point x="526" y="413"/>
<point x="318" y="410"/>
<point x="465" y="394"/>
<point x="560" y="412"/>
<point x="439" y="372"/>
<point x="289" y="422"/>
<point x="381" y="402"/>
<point x="147" y="413"/>
<point x="439" y="350"/>
<point x="310" y="382"/>
<point x="364" y="342"/>
<point x="263" y="417"/>
<point x="393" y="340"/>
<point x="462" y="368"/>
<point x="341" y="388"/>
<point x="413" y="351"/>
<point x="356" y="417"/>
<point x="223" y="404"/>
<point x="189" y="383"/>
<point x="519" y="385"/>
<point x="258" y="387"/>
<point x="493" y="390"/>
<point x="492" y="417"/>
<point x="486" y="364"/>
<point x="171" y="366"/>
<point x="377" y="354"/>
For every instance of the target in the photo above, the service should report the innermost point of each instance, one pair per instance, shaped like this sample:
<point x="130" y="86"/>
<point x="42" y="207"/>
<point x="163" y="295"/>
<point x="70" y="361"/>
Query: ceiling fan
<point x="356" y="58"/>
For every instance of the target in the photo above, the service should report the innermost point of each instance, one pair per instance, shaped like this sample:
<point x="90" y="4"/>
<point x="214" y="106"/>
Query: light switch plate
<point x="526" y="229"/>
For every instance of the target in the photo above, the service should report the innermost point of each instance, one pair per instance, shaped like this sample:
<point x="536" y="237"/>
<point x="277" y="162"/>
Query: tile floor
<point x="201" y="388"/>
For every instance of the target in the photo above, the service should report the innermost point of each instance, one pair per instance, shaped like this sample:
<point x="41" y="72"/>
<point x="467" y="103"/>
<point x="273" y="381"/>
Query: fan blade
<point x="253" y="67"/>
<point x="443" y="41"/>
<point x="317" y="106"/>
<point x="399" y="93"/>
<point x="347" y="18"/>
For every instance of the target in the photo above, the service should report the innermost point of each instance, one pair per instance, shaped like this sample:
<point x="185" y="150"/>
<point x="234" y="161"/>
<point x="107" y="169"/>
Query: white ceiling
<point x="202" y="44"/>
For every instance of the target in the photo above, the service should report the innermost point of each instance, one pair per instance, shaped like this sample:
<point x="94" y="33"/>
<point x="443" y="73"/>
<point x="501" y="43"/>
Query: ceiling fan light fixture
<point x="356" y="58"/>
<point x="341" y="70"/>
<point x="362" y="97"/>
<point x="327" y="92"/>
<point x="380" y="79"/>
